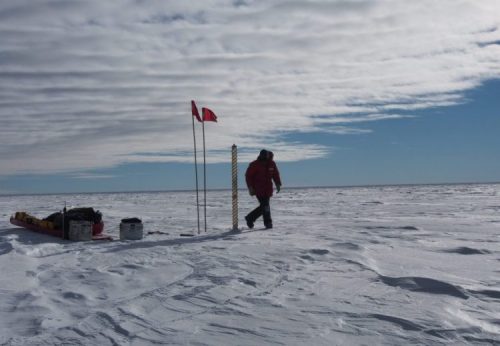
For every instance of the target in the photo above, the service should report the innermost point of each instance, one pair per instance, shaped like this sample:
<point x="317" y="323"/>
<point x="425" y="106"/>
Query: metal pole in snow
<point x="196" y="175"/>
<point x="204" y="175"/>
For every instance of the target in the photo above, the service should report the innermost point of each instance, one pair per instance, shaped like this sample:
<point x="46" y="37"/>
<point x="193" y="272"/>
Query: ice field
<point x="396" y="265"/>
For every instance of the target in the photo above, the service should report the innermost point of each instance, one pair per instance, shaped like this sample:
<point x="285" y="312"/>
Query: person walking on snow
<point x="259" y="177"/>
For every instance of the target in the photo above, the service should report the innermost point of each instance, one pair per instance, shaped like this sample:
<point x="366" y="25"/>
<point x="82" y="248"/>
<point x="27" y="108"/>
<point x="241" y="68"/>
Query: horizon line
<point x="228" y="188"/>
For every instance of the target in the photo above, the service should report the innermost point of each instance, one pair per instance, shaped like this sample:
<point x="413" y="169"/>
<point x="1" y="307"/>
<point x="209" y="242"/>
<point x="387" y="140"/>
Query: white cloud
<point x="91" y="176"/>
<point x="90" y="84"/>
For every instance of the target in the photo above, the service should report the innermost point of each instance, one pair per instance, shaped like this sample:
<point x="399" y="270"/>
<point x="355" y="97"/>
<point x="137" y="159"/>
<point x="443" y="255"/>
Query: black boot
<point x="249" y="222"/>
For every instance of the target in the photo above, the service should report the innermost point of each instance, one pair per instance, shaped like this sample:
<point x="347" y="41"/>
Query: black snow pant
<point x="263" y="209"/>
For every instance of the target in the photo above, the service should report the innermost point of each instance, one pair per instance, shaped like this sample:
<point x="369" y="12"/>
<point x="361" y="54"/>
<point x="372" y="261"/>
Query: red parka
<point x="260" y="176"/>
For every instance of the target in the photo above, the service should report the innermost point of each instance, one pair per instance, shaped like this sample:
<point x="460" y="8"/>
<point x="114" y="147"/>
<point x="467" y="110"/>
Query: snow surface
<point x="343" y="266"/>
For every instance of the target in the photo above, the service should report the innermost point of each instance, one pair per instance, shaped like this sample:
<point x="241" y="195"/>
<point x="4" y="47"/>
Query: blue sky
<point x="94" y="96"/>
<point x="451" y="144"/>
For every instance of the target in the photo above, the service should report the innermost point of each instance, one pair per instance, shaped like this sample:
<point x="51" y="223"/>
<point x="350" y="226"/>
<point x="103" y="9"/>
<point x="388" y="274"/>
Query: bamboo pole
<point x="234" y="176"/>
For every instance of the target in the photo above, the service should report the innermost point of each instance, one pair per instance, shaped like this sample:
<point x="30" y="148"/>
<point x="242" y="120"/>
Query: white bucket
<point x="131" y="231"/>
<point x="80" y="230"/>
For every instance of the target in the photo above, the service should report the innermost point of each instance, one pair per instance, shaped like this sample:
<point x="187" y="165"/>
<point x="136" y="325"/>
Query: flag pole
<point x="204" y="174"/>
<point x="196" y="175"/>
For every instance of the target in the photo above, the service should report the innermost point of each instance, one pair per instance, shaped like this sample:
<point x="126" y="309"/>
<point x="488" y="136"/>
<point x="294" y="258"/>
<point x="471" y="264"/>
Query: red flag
<point x="194" y="111"/>
<point x="208" y="115"/>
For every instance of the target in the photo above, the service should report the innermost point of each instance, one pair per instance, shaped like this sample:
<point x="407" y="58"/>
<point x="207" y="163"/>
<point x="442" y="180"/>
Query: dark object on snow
<point x="53" y="224"/>
<point x="75" y="214"/>
<point x="157" y="232"/>
<point x="131" y="229"/>
<point x="132" y="220"/>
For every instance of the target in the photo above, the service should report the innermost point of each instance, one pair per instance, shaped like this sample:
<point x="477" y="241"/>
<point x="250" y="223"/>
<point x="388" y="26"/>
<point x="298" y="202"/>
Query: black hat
<point x="263" y="155"/>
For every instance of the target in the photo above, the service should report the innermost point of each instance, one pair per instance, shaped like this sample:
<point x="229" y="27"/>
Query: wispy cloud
<point x="89" y="84"/>
<point x="91" y="176"/>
